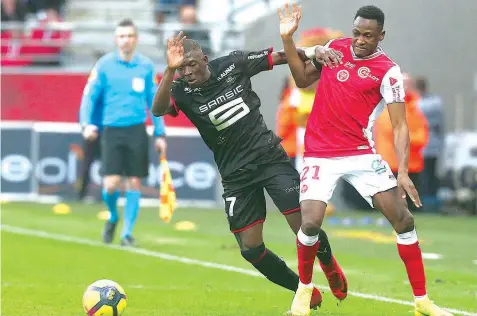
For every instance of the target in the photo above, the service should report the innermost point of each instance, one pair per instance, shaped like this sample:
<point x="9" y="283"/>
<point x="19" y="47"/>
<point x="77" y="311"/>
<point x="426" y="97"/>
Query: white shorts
<point x="369" y="174"/>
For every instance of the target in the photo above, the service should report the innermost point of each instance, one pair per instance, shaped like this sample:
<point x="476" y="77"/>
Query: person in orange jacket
<point x="418" y="134"/>
<point x="286" y="122"/>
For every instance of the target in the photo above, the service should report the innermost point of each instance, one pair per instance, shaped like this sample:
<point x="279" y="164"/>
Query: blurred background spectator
<point x="433" y="109"/>
<point x="14" y="10"/>
<point x="170" y="10"/>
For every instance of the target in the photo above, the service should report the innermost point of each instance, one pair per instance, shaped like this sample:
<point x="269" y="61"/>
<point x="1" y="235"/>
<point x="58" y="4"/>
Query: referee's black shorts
<point x="125" y="151"/>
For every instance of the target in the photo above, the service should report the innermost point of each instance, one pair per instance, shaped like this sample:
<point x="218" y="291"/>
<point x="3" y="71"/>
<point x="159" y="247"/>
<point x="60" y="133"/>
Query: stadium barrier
<point x="41" y="161"/>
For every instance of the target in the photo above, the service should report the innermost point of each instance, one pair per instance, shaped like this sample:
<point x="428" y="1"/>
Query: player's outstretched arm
<point x="303" y="74"/>
<point x="397" y="114"/>
<point x="280" y="57"/>
<point x="162" y="104"/>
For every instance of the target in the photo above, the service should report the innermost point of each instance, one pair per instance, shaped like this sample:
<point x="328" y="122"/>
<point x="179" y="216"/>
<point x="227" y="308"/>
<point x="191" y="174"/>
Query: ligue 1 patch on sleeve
<point x="138" y="84"/>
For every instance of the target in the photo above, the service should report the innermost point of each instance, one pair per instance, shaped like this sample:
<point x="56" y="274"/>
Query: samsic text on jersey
<point x="225" y="110"/>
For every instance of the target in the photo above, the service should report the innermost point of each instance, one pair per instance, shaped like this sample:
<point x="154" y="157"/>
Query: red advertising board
<point x="52" y="97"/>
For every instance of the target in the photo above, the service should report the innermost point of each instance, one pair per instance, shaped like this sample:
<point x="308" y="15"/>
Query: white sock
<point x="309" y="285"/>
<point x="420" y="298"/>
<point x="305" y="239"/>
<point x="409" y="238"/>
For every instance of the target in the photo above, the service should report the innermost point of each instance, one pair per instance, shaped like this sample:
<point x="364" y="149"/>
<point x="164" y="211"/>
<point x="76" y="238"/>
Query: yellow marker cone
<point x="62" y="209"/>
<point x="185" y="226"/>
<point x="103" y="215"/>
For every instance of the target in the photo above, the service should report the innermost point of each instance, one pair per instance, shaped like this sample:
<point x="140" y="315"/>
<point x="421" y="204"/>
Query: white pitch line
<point x="165" y="256"/>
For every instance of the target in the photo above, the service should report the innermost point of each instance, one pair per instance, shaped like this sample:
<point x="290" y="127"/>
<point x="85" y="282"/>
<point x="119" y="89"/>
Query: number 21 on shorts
<point x="231" y="200"/>
<point x="314" y="169"/>
<point x="305" y="174"/>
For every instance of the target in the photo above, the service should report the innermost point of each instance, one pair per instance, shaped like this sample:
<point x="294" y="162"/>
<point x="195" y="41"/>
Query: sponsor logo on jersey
<point x="226" y="72"/>
<point x="256" y="56"/>
<point x="190" y="90"/>
<point x="221" y="99"/>
<point x="349" y="65"/>
<point x="364" y="72"/>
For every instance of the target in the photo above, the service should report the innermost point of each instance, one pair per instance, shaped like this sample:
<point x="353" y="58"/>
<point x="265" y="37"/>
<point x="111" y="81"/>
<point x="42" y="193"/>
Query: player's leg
<point x="137" y="165"/>
<point x="111" y="167"/>
<point x="317" y="183"/>
<point x="283" y="187"/>
<point x="375" y="182"/>
<point x="246" y="211"/>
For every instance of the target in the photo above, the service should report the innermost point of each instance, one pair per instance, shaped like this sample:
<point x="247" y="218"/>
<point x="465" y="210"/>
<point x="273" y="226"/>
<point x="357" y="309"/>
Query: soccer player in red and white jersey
<point x="338" y="144"/>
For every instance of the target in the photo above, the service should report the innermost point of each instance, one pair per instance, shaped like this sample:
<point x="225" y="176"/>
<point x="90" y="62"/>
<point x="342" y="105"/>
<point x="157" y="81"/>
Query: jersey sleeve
<point x="177" y="92"/>
<point x="254" y="62"/>
<point x="392" y="86"/>
<point x="92" y="94"/>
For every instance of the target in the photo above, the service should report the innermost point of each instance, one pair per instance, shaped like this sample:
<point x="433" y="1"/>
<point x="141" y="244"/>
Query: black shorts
<point x="125" y="151"/>
<point x="245" y="198"/>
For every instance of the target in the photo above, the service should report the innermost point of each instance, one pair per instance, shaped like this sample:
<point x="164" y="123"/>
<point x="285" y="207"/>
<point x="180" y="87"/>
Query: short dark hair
<point x="371" y="12"/>
<point x="421" y="84"/>
<point x="191" y="45"/>
<point x="126" y="22"/>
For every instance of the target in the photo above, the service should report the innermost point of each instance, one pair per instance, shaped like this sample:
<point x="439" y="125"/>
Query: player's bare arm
<point x="323" y="55"/>
<point x="303" y="73"/>
<point x="162" y="104"/>
<point x="397" y="113"/>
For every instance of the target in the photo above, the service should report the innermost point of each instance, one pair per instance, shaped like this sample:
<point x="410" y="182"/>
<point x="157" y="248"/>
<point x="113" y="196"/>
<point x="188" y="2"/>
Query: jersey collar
<point x="379" y="51"/>
<point x="134" y="60"/>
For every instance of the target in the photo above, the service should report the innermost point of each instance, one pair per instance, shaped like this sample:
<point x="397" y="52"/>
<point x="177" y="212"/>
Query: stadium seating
<point x="36" y="45"/>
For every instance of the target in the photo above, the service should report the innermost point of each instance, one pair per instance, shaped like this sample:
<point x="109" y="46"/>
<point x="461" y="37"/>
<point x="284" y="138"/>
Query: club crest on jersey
<point x="230" y="80"/>
<point x="226" y="72"/>
<point x="364" y="72"/>
<point x="342" y="75"/>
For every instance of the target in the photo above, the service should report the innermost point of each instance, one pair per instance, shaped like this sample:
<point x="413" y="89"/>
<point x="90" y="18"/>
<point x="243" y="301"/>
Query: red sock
<point x="306" y="256"/>
<point x="410" y="253"/>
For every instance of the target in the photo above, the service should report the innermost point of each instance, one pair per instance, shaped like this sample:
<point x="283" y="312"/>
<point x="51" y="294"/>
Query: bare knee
<point x="312" y="214"/>
<point x="111" y="183"/>
<point x="251" y="237"/>
<point x="405" y="223"/>
<point x="134" y="183"/>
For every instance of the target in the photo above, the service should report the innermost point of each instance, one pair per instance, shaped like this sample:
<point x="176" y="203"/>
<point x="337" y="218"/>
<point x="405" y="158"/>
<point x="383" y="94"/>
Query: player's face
<point x="126" y="39"/>
<point x="194" y="68"/>
<point x="366" y="36"/>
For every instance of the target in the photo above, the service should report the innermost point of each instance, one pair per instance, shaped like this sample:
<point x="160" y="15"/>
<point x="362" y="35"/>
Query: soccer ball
<point x="104" y="298"/>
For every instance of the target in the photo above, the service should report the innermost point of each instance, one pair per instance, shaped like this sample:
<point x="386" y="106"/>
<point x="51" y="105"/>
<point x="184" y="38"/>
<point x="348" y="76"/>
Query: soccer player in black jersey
<point x="218" y="99"/>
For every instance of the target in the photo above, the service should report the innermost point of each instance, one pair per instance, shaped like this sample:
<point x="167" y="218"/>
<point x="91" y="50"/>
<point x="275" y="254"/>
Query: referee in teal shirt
<point x="122" y="84"/>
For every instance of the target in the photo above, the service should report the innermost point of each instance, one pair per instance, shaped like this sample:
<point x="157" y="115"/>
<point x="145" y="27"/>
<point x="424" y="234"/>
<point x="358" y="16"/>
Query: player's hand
<point x="328" y="57"/>
<point x="90" y="132"/>
<point x="289" y="20"/>
<point x="406" y="186"/>
<point x="175" y="51"/>
<point x="161" y="146"/>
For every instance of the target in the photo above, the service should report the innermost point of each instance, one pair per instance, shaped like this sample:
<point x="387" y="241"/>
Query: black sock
<point x="324" y="251"/>
<point x="272" y="267"/>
